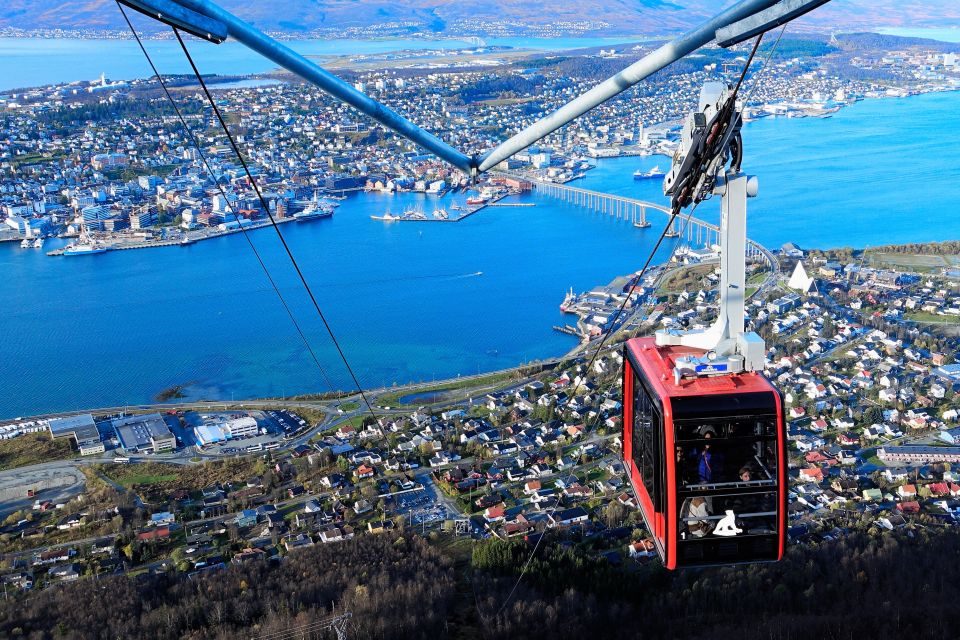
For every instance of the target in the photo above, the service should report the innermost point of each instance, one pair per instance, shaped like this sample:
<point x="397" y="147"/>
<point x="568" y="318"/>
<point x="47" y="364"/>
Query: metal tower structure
<point x="707" y="163"/>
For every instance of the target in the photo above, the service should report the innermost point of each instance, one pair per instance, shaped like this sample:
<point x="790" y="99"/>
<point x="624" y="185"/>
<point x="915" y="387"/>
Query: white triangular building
<point x="800" y="281"/>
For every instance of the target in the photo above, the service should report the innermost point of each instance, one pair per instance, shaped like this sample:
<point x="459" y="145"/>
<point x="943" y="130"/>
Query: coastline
<point x="208" y="234"/>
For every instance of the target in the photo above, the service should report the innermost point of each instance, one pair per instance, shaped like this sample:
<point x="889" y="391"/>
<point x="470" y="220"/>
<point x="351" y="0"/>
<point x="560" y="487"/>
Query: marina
<point x="440" y="215"/>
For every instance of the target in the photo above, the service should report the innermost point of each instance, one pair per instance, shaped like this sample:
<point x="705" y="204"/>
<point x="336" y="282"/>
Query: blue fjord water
<point x="404" y="298"/>
<point x="31" y="62"/>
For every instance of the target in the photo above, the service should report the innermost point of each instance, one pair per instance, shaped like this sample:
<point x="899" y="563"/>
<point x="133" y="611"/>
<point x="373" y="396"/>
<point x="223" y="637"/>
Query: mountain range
<point x="394" y="17"/>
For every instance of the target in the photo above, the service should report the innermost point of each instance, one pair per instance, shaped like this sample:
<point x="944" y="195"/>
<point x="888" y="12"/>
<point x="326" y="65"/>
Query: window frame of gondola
<point x="647" y="441"/>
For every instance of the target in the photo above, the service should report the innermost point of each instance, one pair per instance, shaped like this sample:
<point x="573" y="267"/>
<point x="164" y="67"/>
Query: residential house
<point x="907" y="491"/>
<point x="65" y="572"/>
<point x="811" y="474"/>
<point x="568" y="517"/>
<point x="297" y="541"/>
<point x="336" y="533"/>
<point x="494" y="514"/>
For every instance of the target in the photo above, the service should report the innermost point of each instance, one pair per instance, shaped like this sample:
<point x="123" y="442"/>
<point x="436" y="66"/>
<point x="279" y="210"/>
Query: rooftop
<point x="82" y="427"/>
<point x="138" y="432"/>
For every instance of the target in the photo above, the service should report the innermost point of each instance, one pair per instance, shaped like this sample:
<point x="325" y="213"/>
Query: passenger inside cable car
<point x="724" y="466"/>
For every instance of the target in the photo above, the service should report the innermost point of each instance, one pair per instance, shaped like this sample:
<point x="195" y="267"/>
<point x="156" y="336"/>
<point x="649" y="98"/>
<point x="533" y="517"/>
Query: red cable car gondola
<point x="706" y="457"/>
<point x="704" y="440"/>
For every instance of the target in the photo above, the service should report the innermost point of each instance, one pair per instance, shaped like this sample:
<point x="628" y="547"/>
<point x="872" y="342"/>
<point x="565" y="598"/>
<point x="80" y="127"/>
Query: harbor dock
<point x="206" y="234"/>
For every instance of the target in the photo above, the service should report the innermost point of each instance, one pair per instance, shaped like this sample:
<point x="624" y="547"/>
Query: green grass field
<point x="913" y="262"/>
<point x="129" y="481"/>
<point x="924" y="316"/>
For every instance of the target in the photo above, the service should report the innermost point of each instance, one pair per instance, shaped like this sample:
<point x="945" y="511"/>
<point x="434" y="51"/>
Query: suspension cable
<point x="230" y="204"/>
<point x="759" y="74"/>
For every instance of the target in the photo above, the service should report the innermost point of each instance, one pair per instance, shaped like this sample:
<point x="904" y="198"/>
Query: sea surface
<point x="419" y="301"/>
<point x="944" y="34"/>
<point x="32" y="62"/>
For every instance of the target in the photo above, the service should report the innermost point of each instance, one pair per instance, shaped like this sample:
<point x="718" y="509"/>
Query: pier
<point x="124" y="244"/>
<point x="467" y="210"/>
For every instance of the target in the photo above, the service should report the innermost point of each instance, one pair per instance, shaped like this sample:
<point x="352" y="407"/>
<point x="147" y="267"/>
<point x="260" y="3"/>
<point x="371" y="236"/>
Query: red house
<point x="939" y="489"/>
<point x="364" y="471"/>
<point x="160" y="533"/>
<point x="909" y="507"/>
<point x="811" y="474"/>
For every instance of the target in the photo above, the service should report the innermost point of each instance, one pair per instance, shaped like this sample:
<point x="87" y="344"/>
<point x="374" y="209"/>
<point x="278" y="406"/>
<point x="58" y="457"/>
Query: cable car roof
<point x="658" y="364"/>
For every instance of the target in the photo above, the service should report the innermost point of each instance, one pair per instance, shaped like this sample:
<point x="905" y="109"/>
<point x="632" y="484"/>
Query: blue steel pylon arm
<point x="207" y="20"/>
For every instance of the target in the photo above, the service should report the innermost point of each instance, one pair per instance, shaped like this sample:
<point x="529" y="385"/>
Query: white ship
<point x="83" y="249"/>
<point x="314" y="212"/>
<point x="646" y="175"/>
<point x="85" y="245"/>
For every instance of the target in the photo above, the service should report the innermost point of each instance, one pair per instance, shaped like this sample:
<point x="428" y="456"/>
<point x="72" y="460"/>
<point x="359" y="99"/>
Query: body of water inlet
<point x="419" y="301"/>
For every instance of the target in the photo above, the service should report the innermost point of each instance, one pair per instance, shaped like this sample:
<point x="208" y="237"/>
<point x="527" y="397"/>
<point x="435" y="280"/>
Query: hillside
<point x="871" y="584"/>
<point x="446" y="16"/>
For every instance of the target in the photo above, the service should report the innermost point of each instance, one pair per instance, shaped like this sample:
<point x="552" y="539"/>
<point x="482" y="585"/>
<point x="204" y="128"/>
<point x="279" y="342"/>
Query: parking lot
<point x="274" y="427"/>
<point x="422" y="507"/>
<point x="284" y="422"/>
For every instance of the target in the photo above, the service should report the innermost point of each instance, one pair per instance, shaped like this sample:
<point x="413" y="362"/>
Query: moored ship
<point x="314" y="212"/>
<point x="647" y="175"/>
<point x="83" y="249"/>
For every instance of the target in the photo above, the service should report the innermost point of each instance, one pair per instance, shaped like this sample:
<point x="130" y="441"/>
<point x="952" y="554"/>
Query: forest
<point x="866" y="584"/>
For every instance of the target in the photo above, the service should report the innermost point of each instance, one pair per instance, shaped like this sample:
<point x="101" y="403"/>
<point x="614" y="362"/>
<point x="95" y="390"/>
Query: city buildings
<point x="82" y="429"/>
<point x="144" y="433"/>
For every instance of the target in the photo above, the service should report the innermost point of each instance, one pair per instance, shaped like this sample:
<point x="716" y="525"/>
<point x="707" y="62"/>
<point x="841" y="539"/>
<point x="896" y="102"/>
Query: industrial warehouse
<point x="144" y="434"/>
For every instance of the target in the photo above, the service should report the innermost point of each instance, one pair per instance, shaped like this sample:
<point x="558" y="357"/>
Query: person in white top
<point x="696" y="514"/>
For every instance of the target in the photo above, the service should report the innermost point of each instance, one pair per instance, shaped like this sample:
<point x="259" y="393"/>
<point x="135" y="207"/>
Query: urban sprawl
<point x="862" y="344"/>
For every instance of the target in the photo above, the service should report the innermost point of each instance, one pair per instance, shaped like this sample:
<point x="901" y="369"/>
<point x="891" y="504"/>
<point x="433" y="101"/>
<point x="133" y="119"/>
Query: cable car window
<point x="646" y="441"/>
<point x="716" y="454"/>
<point x="738" y="514"/>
